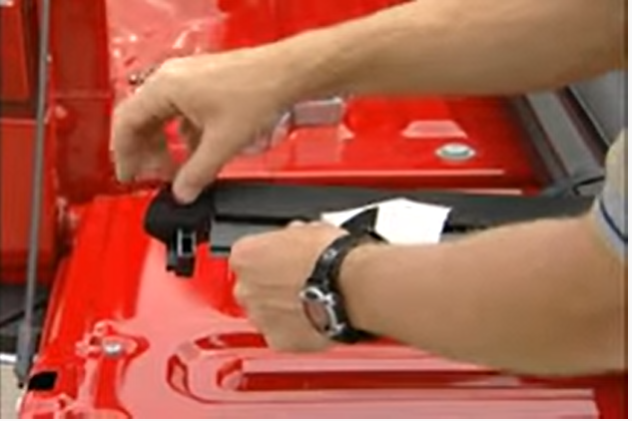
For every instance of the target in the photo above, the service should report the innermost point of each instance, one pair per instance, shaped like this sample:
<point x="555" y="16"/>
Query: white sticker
<point x="401" y="221"/>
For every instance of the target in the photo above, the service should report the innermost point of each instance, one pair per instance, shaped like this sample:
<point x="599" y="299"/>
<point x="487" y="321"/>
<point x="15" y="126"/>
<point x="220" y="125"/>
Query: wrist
<point x="356" y="285"/>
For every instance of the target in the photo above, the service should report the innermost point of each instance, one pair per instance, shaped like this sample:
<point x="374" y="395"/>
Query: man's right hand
<point x="225" y="101"/>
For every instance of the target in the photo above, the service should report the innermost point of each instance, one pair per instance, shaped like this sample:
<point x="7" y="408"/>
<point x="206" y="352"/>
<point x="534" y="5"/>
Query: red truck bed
<point x="123" y="338"/>
<point x="126" y="339"/>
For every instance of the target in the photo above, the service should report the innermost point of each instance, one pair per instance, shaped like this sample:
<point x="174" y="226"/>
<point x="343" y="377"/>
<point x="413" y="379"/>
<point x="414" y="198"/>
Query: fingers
<point x="157" y="164"/>
<point x="137" y="120"/>
<point x="190" y="134"/>
<point x="218" y="145"/>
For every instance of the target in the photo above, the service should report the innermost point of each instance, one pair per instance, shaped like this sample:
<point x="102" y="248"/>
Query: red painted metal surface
<point x="77" y="166"/>
<point x="295" y="16"/>
<point x="395" y="143"/>
<point x="17" y="80"/>
<point x="127" y="339"/>
<point x="382" y="141"/>
<point x="255" y="22"/>
<point x="83" y="96"/>
<point x="83" y="92"/>
<point x="18" y="48"/>
<point x="17" y="139"/>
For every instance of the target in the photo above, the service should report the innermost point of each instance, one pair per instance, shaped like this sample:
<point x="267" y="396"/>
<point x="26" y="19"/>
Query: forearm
<point x="543" y="297"/>
<point x="461" y="47"/>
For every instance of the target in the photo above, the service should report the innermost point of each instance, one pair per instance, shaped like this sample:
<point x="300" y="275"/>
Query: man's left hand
<point x="271" y="269"/>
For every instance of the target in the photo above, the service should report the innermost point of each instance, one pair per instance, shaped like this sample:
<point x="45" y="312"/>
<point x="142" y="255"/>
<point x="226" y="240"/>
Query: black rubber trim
<point x="250" y="208"/>
<point x="267" y="203"/>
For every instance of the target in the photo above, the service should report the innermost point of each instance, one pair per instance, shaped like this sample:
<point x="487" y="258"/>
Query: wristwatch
<point x="322" y="299"/>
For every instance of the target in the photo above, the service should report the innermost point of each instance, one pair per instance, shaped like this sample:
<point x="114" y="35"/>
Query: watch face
<point x="317" y="315"/>
<point x="317" y="306"/>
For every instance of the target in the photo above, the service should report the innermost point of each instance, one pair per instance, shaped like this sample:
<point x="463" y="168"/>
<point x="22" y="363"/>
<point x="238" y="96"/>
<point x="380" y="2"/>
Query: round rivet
<point x="456" y="152"/>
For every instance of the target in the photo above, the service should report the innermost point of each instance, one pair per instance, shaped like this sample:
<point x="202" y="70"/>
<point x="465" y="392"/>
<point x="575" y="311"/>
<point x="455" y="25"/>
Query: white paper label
<point x="401" y="221"/>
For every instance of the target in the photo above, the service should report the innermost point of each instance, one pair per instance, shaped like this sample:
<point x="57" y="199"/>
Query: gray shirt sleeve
<point x="610" y="211"/>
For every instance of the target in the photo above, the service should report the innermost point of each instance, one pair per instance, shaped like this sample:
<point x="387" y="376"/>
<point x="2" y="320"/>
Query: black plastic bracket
<point x="181" y="228"/>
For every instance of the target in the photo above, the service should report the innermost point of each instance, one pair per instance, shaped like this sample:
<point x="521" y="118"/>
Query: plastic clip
<point x="181" y="228"/>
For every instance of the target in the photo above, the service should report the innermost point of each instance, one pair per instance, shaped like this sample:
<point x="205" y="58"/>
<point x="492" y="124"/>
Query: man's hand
<point x="229" y="99"/>
<point x="271" y="270"/>
<point x="226" y="101"/>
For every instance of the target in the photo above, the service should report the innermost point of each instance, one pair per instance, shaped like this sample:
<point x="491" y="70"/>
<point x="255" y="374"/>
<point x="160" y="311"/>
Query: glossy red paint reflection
<point x="17" y="141"/>
<point x="127" y="339"/>
<point x="398" y="143"/>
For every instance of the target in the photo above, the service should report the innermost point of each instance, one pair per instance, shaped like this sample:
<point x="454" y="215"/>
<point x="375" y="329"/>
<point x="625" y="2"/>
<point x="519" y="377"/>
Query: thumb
<point x="216" y="148"/>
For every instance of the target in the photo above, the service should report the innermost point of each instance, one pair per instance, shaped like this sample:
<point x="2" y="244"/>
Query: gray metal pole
<point x="26" y="336"/>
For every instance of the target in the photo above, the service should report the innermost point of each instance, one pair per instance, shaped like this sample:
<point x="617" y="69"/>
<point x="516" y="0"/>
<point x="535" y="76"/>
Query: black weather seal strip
<point x="273" y="203"/>
<point x="232" y="210"/>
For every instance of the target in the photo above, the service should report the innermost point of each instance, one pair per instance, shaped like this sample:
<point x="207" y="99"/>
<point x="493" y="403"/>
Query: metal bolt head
<point x="456" y="152"/>
<point x="112" y="348"/>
